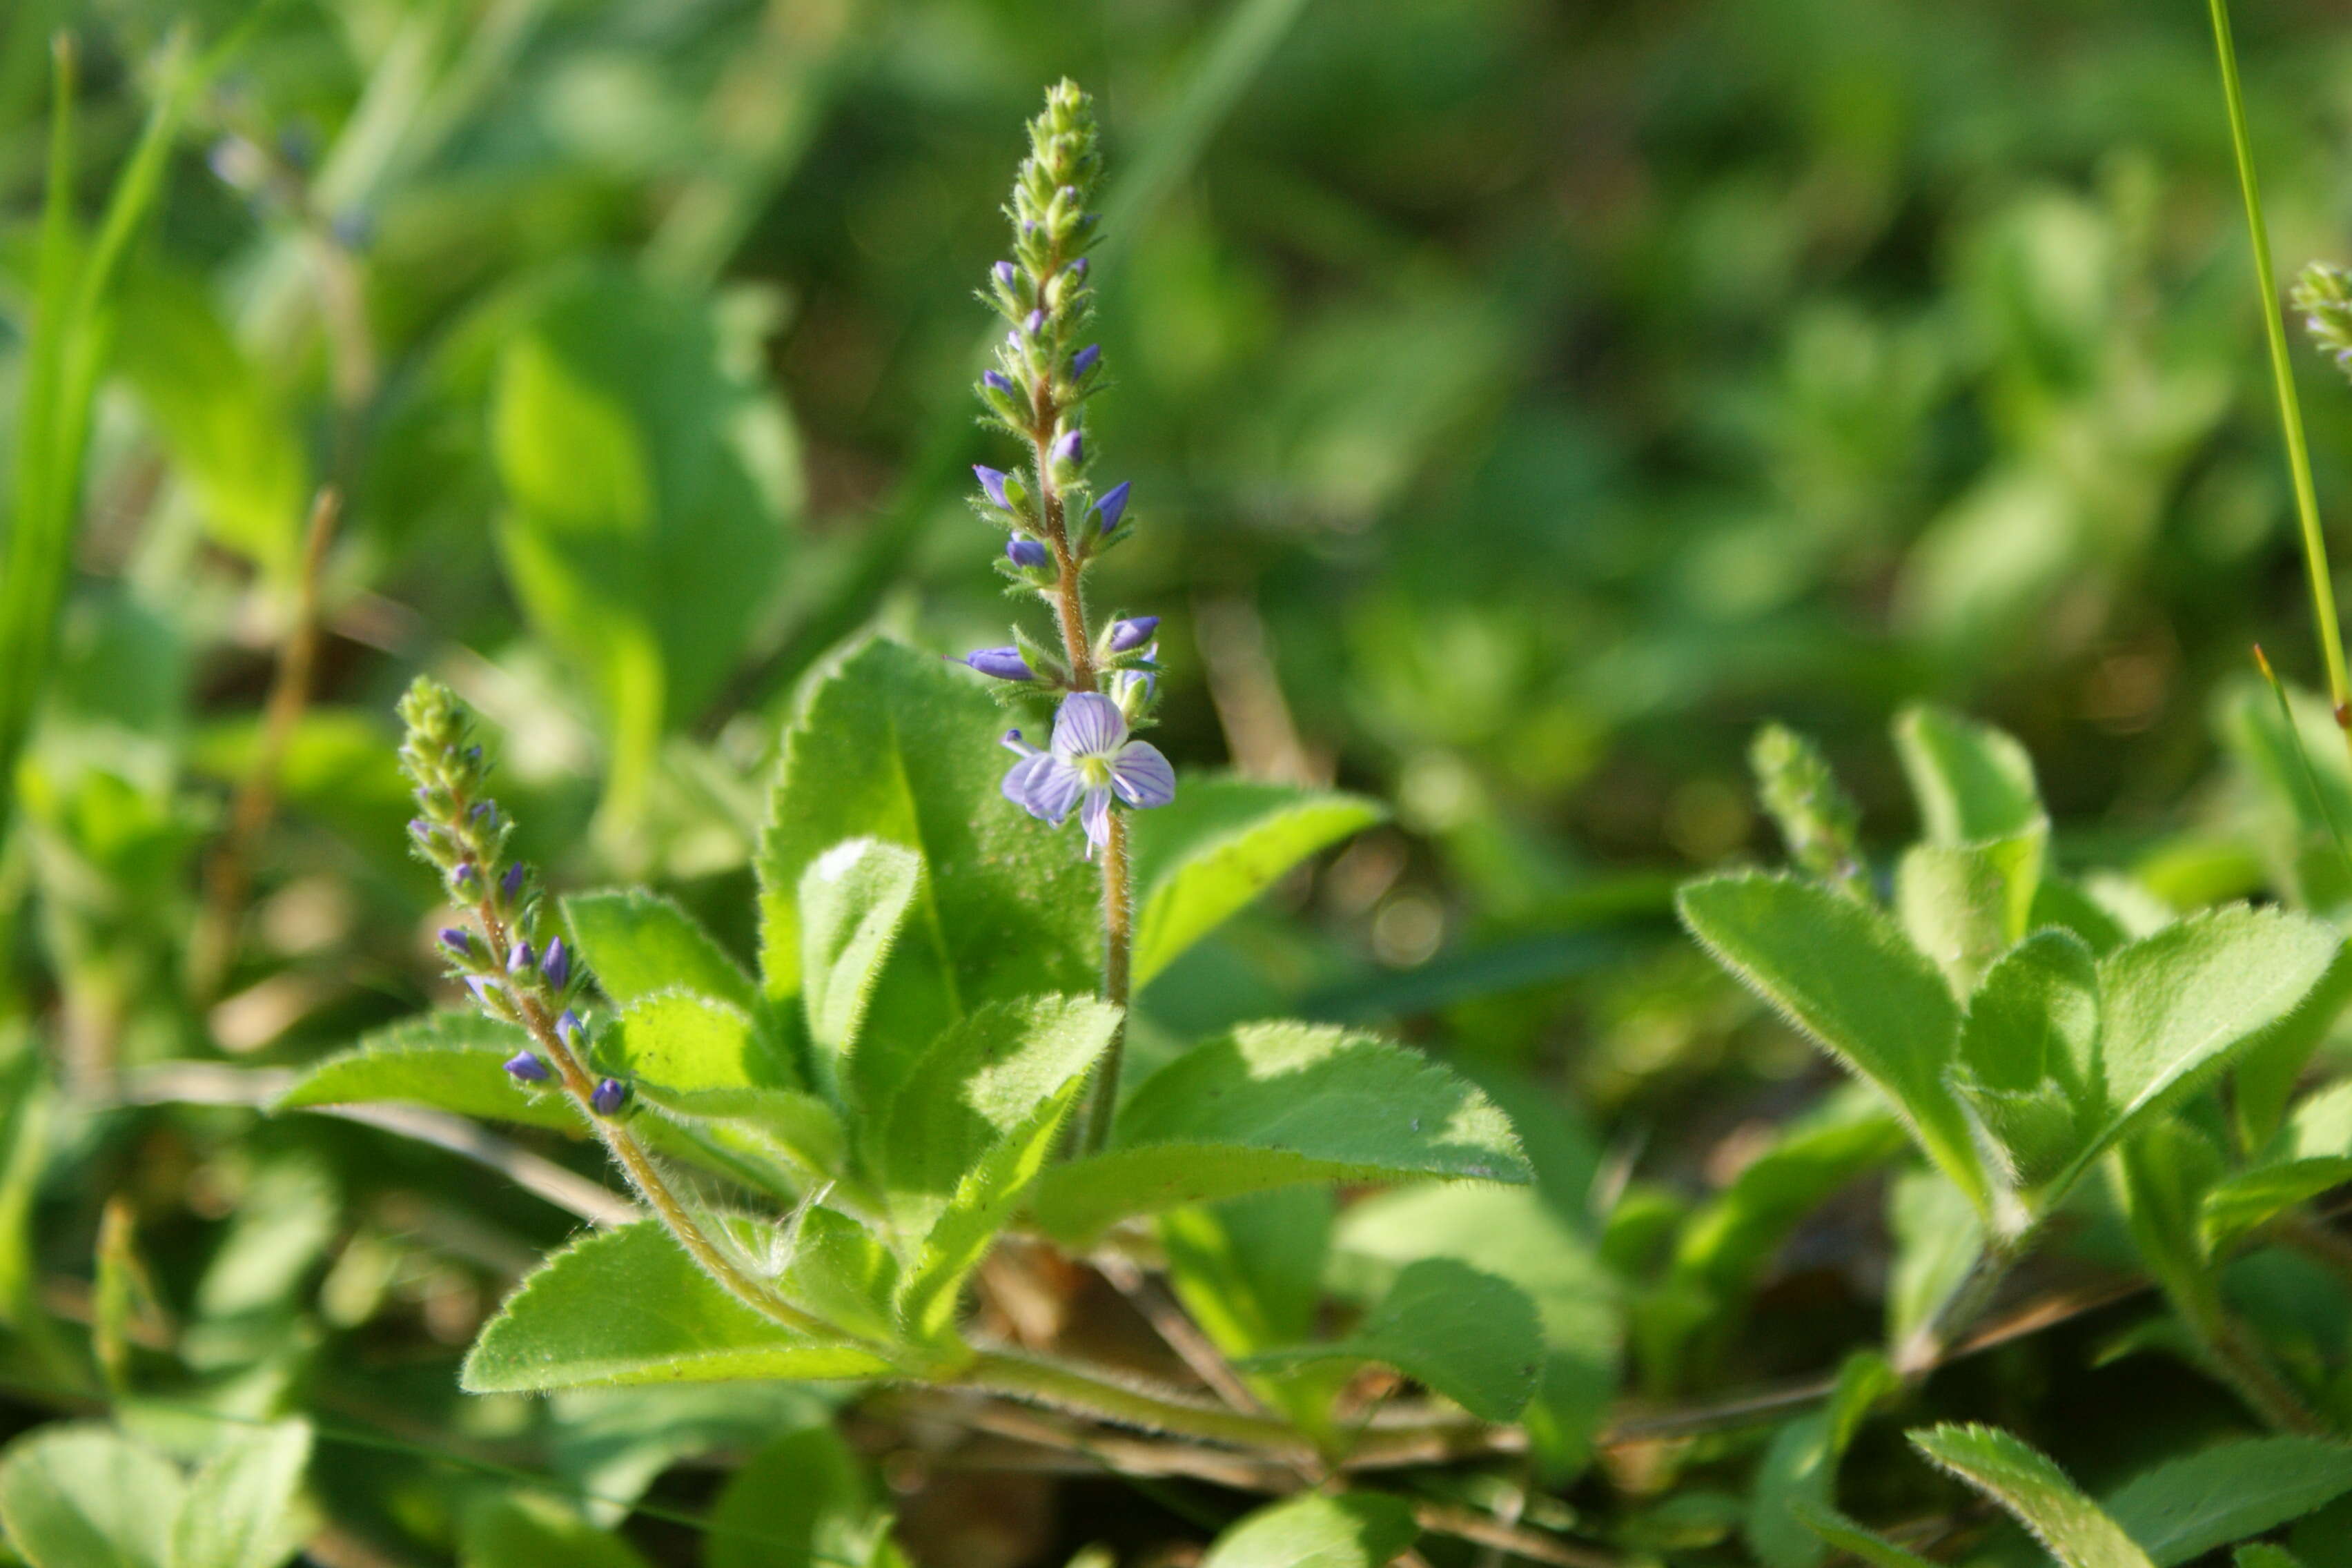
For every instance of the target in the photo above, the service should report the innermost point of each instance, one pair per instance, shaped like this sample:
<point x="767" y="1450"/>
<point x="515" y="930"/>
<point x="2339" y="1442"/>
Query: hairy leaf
<point x="240" y="1512"/>
<point x="1847" y="977"/>
<point x="1221" y="842"/>
<point x="1964" y="905"/>
<point x="1847" y="1536"/>
<point x="1973" y="783"/>
<point x="447" y="1061"/>
<point x="84" y="1496"/>
<point x="1800" y="1468"/>
<point x="1355" y="1530"/>
<point x="854" y="900"/>
<point x="1273" y="1104"/>
<point x="1459" y="1332"/>
<point x="636" y="942"/>
<point x="2184" y="1508"/>
<point x="2028" y="1056"/>
<point x="2024" y="1481"/>
<point x="690" y="1051"/>
<point x="1937" y="1237"/>
<point x="629" y="1305"/>
<point x="798" y="1502"/>
<point x="2245" y="1201"/>
<point x="1249" y="1268"/>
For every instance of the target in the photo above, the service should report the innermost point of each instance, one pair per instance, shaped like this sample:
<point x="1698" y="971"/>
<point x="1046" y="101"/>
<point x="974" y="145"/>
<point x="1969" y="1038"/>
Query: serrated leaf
<point x="239" y="1511"/>
<point x="628" y="1306"/>
<point x="798" y="1502"/>
<point x="528" y="1531"/>
<point x="1356" y="1530"/>
<point x="2184" y="1508"/>
<point x="895" y="746"/>
<point x="981" y="1081"/>
<point x="1846" y="976"/>
<point x="84" y="1496"/>
<point x="1801" y="1467"/>
<point x="637" y="942"/>
<point x="1273" y="1104"/>
<point x="1221" y="842"/>
<point x="1974" y="783"/>
<point x="2029" y="1486"/>
<point x="1459" y="1332"/>
<point x="1511" y="1233"/>
<point x="854" y="900"/>
<point x="447" y="1061"/>
<point x="1847" y="1536"/>
<point x="1004" y="1084"/>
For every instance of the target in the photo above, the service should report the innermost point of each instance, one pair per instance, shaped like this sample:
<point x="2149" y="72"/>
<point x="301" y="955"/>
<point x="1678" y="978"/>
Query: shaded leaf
<point x="1356" y="1530"/>
<point x="798" y="1502"/>
<point x="1801" y="1467"/>
<point x="1847" y="1536"/>
<point x="853" y="899"/>
<point x="240" y="1508"/>
<point x="2186" y="1507"/>
<point x="637" y="942"/>
<point x="447" y="1061"/>
<point x="524" y="1530"/>
<point x="1974" y="783"/>
<point x="83" y="1496"/>
<point x="2024" y="1481"/>
<point x="1458" y="1331"/>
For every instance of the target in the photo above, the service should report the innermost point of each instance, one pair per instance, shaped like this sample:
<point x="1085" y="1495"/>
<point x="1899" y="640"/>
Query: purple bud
<point x="1082" y="363"/>
<point x="1033" y="322"/>
<point x="1070" y="446"/>
<point x="518" y="961"/>
<point x="511" y="883"/>
<point x="568" y="1028"/>
<point x="1011" y="742"/>
<point x="456" y="940"/>
<point x="1027" y="554"/>
<point x="524" y="1066"/>
<point x="991" y="480"/>
<point x="1003" y="663"/>
<point x="419" y="828"/>
<point x="485" y="989"/>
<point x="1028" y="228"/>
<point x="476" y="812"/>
<point x="1078" y="268"/>
<point x="1113" y="505"/>
<point x="996" y="381"/>
<point x="1068" y="193"/>
<point x="556" y="964"/>
<point x="1128" y="636"/>
<point x="1007" y="274"/>
<point x="610" y="1096"/>
<point x="464" y="878"/>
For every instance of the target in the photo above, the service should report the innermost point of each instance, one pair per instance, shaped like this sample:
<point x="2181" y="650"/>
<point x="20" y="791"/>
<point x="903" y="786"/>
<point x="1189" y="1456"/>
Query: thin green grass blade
<point x="2298" y="453"/>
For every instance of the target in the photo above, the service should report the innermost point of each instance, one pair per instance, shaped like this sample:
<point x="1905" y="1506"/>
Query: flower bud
<point x="511" y="883"/>
<point x="1003" y="663"/>
<point x="1128" y="636"/>
<point x="1078" y="268"/>
<point x="568" y="1029"/>
<point x="485" y="989"/>
<point x="1008" y="275"/>
<point x="991" y="481"/>
<point x="457" y="941"/>
<point x="1070" y="448"/>
<point x="997" y="382"/>
<point x="465" y="879"/>
<point x="1112" y="506"/>
<point x="555" y="965"/>
<point x="521" y="960"/>
<point x="1083" y="362"/>
<point x="1034" y="323"/>
<point x="611" y="1094"/>
<point x="1029" y="555"/>
<point x="524" y="1066"/>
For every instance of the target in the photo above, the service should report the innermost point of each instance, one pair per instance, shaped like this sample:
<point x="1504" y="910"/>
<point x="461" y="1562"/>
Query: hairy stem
<point x="1065" y="1388"/>
<point x="2306" y="499"/>
<point x="2233" y="1355"/>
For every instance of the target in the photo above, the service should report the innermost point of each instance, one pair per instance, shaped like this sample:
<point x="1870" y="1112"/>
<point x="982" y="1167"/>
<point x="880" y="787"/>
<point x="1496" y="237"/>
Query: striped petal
<point x="1141" y="776"/>
<point x="1095" y="817"/>
<point x="1089" y="725"/>
<point x="1052" y="787"/>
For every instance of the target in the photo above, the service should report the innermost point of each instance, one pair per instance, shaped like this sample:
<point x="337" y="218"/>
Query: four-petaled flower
<point x="1092" y="758"/>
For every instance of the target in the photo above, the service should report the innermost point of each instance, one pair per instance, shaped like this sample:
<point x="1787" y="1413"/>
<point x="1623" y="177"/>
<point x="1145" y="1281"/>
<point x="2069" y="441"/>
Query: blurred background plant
<point x="1524" y="401"/>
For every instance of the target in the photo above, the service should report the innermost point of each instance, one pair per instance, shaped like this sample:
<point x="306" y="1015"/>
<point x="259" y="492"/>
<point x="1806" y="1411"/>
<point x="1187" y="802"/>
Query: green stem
<point x="2306" y="497"/>
<point x="1082" y="1393"/>
<point x="2241" y="1364"/>
<point x="1928" y="1346"/>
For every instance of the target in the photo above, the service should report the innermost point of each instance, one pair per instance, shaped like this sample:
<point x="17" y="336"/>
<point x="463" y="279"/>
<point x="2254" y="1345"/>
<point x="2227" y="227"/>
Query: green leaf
<point x="239" y="1511"/>
<point x="224" y="427"/>
<point x="1458" y="1331"/>
<point x="1963" y="904"/>
<point x="1800" y="1468"/>
<point x="83" y="1496"/>
<point x="1842" y="973"/>
<point x="629" y="1305"/>
<point x="2266" y="1557"/>
<point x="1847" y="1536"/>
<point x="2028" y="1055"/>
<point x="798" y="1502"/>
<point x="649" y="474"/>
<point x="2267" y="1071"/>
<point x="1358" y="1530"/>
<point x="1512" y="1234"/>
<point x="2245" y="1201"/>
<point x="1221" y="842"/>
<point x="1937" y="1237"/>
<point x="449" y="1061"/>
<point x="1273" y="1104"/>
<point x="2024" y="1481"/>
<point x="895" y="746"/>
<point x="981" y="1081"/>
<point x="2162" y="1175"/>
<point x="690" y="1051"/>
<point x="636" y="942"/>
<point x="1973" y="783"/>
<point x="842" y="1272"/>
<point x="854" y="900"/>
<point x="979" y="1121"/>
<point x="1250" y="1269"/>
<point x="2186" y="1507"/>
<point x="523" y="1530"/>
<point x="1730" y="1240"/>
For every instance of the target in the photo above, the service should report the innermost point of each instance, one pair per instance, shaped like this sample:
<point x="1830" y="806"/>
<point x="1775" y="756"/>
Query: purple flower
<point x="456" y="940"/>
<point x="1027" y="554"/>
<point x="610" y="1096"/>
<point x="556" y="964"/>
<point x="1128" y="636"/>
<point x="524" y="1066"/>
<point x="996" y="381"/>
<point x="519" y="962"/>
<point x="1113" y="506"/>
<point x="1003" y="663"/>
<point x="993" y="481"/>
<point x="1092" y="759"/>
<point x="1070" y="446"/>
<point x="1082" y="363"/>
<point x="1007" y="274"/>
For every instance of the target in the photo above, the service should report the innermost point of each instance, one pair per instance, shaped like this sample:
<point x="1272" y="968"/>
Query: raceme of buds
<point x="2324" y="295"/>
